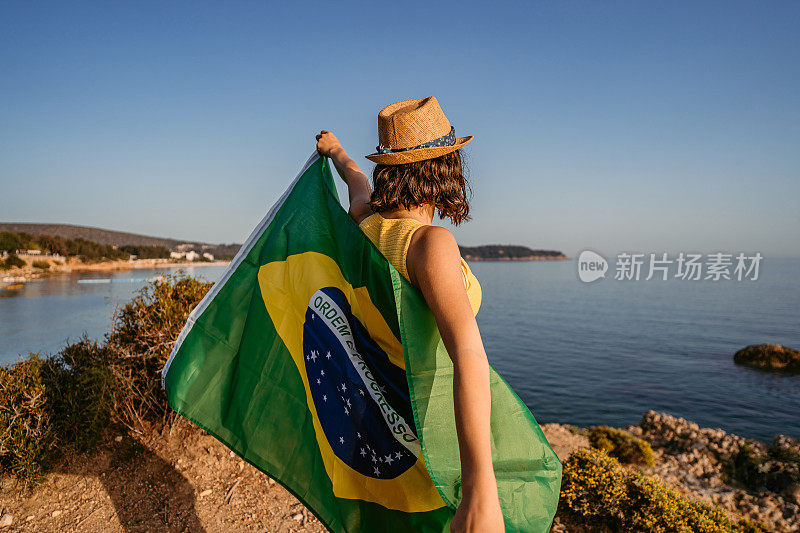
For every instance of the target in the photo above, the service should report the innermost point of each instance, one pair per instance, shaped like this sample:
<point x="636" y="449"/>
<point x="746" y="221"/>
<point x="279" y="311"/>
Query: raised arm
<point x="358" y="187"/>
<point x="434" y="265"/>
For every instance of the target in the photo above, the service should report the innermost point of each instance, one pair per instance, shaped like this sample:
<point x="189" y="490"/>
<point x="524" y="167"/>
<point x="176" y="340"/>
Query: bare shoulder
<point x="433" y="249"/>
<point x="434" y="240"/>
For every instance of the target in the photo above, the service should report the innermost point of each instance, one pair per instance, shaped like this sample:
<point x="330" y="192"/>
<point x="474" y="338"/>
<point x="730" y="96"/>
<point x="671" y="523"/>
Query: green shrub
<point x="54" y="406"/>
<point x="13" y="261"/>
<point x="622" y="445"/>
<point x="44" y="265"/>
<point x="83" y="402"/>
<point x="575" y="430"/>
<point x="143" y="333"/>
<point x="51" y="406"/>
<point x="26" y="432"/>
<point x="600" y="493"/>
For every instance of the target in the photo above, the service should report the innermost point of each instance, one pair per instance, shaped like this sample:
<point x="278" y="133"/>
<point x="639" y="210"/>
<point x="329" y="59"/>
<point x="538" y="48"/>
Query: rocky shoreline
<point x="702" y="464"/>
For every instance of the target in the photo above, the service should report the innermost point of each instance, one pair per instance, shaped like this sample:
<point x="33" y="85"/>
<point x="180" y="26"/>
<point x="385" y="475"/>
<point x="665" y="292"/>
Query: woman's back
<point x="392" y="236"/>
<point x="419" y="170"/>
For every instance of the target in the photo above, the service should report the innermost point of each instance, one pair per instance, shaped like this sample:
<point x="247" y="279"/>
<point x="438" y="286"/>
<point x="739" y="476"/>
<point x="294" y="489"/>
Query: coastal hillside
<point x="118" y="239"/>
<point x="88" y="233"/>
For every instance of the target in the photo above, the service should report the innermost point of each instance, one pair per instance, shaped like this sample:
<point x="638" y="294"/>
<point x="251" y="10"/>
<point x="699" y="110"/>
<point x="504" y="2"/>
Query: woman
<point x="419" y="172"/>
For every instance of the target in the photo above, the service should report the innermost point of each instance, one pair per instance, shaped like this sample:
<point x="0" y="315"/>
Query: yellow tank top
<point x="393" y="235"/>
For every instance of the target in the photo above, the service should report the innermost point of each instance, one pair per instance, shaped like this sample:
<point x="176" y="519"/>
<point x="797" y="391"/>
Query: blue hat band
<point x="445" y="140"/>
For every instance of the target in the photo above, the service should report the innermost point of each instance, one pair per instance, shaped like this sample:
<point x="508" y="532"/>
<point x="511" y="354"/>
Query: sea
<point x="576" y="353"/>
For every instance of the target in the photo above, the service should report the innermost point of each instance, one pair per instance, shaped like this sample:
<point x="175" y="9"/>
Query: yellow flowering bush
<point x="597" y="490"/>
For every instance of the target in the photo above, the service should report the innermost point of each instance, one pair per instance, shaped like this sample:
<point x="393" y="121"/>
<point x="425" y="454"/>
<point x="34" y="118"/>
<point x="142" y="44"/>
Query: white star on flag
<point x="341" y="440"/>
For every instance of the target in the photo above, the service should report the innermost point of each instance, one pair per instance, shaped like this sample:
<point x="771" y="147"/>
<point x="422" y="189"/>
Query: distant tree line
<point x="146" y="252"/>
<point x="86" y="250"/>
<point x="500" y="251"/>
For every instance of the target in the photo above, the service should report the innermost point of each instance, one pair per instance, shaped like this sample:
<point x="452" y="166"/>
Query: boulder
<point x="772" y="357"/>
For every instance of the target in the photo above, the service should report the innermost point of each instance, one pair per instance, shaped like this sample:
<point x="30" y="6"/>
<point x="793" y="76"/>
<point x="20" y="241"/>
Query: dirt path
<point x="184" y="482"/>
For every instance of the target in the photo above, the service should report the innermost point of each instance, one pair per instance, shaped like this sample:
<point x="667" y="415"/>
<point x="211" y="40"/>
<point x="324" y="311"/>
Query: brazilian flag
<point x="317" y="362"/>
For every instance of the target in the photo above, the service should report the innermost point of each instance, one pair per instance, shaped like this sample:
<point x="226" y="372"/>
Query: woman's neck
<point x="423" y="213"/>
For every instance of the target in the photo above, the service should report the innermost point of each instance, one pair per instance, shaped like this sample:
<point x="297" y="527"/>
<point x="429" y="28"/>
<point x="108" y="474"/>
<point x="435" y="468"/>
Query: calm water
<point x="45" y="314"/>
<point x="575" y="353"/>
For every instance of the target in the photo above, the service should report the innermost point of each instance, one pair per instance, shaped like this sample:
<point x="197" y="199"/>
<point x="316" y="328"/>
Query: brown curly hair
<point x="439" y="181"/>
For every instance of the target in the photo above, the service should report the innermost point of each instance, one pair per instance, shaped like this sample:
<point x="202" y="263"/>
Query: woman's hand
<point x="358" y="187"/>
<point x="479" y="513"/>
<point x="327" y="143"/>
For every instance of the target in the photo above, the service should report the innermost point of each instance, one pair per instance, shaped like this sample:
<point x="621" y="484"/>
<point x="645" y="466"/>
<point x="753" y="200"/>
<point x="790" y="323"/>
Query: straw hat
<point x="414" y="130"/>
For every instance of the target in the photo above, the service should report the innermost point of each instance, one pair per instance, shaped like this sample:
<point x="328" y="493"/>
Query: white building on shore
<point x="190" y="255"/>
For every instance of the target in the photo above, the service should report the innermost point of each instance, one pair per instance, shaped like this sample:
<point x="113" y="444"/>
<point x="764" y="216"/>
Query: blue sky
<point x="613" y="126"/>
